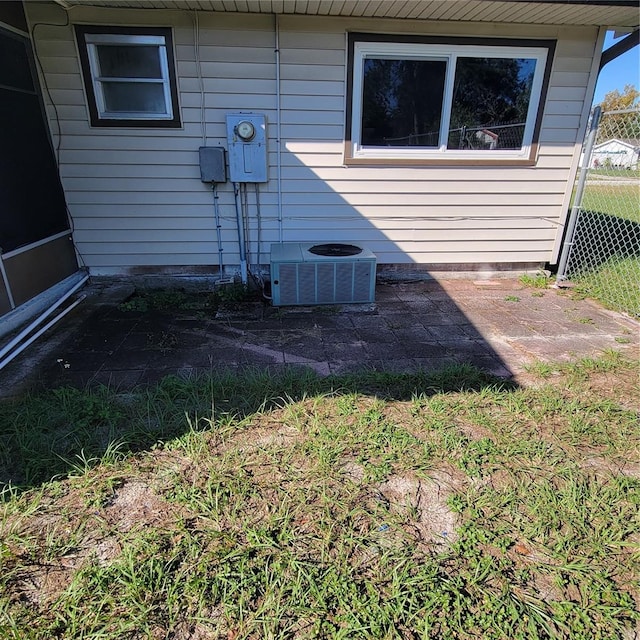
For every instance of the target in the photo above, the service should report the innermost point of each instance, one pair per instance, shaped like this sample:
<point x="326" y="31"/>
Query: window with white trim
<point x="129" y="76"/>
<point x="433" y="101"/>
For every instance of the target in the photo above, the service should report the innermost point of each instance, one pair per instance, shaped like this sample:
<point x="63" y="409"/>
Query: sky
<point x="619" y="72"/>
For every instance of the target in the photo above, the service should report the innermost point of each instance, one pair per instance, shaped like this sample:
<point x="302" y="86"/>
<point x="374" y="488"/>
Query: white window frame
<point x="449" y="53"/>
<point x="94" y="40"/>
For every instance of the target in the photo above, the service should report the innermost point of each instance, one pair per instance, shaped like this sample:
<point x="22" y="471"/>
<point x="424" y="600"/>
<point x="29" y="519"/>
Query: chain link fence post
<point x="579" y="193"/>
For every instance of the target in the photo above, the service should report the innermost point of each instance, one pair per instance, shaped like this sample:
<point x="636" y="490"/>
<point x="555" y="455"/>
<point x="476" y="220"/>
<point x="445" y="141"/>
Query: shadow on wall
<point x="162" y="372"/>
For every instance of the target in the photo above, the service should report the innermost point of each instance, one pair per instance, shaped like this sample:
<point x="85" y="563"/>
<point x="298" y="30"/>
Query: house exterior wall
<point x="136" y="197"/>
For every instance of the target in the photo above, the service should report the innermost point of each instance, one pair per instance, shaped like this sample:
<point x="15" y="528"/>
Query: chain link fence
<point x="601" y="254"/>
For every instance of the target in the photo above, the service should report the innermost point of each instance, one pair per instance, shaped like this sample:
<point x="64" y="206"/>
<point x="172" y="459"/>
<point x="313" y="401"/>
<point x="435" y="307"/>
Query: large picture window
<point x="431" y="101"/>
<point x="129" y="76"/>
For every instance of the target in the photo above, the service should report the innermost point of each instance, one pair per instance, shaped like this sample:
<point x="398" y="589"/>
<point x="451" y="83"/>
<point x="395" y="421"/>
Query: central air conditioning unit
<point x="308" y="274"/>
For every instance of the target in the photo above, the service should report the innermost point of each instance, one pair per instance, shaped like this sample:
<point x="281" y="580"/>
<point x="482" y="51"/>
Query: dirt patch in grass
<point x="46" y="558"/>
<point x="622" y="387"/>
<point x="270" y="433"/>
<point x="424" y="504"/>
<point x="136" y="506"/>
<point x="89" y="524"/>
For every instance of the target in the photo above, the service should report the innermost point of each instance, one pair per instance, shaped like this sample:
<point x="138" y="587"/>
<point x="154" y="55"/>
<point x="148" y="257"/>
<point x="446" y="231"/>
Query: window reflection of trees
<point x="403" y="102"/>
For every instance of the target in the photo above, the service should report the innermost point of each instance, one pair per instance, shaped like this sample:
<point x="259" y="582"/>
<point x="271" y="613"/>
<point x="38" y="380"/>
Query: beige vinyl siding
<point x="136" y="197"/>
<point x="135" y="194"/>
<point x="456" y="214"/>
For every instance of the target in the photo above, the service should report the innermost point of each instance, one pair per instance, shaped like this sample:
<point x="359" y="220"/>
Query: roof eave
<point x="621" y="14"/>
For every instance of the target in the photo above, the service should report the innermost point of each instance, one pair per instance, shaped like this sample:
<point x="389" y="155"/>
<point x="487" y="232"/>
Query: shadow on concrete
<point x="122" y="339"/>
<point x="155" y="373"/>
<point x="131" y="370"/>
<point x="65" y="430"/>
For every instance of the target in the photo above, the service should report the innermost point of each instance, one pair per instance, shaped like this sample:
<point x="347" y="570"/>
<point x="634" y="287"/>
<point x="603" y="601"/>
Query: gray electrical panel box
<point x="212" y="164"/>
<point x="247" y="142"/>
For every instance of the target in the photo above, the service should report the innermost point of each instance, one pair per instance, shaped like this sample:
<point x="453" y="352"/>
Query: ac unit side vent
<point x="299" y="277"/>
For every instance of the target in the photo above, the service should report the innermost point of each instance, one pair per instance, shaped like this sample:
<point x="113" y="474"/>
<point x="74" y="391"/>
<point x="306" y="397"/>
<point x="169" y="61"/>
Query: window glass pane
<point x="490" y="103"/>
<point x="130" y="97"/>
<point x="402" y="102"/>
<point x="129" y="61"/>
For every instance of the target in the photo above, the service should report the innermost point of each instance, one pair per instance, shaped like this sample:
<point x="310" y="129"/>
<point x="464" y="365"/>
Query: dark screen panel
<point x="15" y="70"/>
<point x="34" y="270"/>
<point x="12" y="13"/>
<point x="32" y="203"/>
<point x="5" y="304"/>
<point x="31" y="197"/>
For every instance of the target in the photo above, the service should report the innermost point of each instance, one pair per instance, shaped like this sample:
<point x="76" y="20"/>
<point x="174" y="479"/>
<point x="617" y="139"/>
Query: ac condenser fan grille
<point x="335" y="250"/>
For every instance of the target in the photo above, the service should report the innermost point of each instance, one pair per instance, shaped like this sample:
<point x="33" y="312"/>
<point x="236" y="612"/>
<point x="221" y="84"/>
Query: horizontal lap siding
<point x="135" y="194"/>
<point x="429" y="214"/>
<point x="136" y="197"/>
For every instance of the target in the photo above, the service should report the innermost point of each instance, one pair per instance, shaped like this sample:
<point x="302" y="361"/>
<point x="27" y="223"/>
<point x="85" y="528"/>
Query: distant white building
<point x="618" y="154"/>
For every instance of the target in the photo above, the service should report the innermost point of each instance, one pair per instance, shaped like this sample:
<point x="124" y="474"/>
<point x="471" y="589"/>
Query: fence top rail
<point x="611" y="113"/>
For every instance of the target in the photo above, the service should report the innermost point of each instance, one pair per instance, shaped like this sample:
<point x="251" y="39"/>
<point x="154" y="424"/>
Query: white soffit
<point x="622" y="14"/>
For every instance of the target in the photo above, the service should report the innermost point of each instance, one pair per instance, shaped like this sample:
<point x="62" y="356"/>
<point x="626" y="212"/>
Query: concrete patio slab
<point x="500" y="326"/>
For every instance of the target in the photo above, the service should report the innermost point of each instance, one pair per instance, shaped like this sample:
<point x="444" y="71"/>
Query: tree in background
<point x="490" y="92"/>
<point x="403" y="101"/>
<point x="616" y="101"/>
<point x="623" y="126"/>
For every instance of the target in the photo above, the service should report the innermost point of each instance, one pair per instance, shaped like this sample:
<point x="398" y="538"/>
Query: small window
<point x="427" y="101"/>
<point x="129" y="76"/>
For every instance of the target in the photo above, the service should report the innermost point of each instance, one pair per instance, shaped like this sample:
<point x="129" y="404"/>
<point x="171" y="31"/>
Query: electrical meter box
<point x="247" y="147"/>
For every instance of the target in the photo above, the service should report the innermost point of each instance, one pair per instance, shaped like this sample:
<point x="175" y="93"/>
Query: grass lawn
<point x="617" y="200"/>
<point x="614" y="173"/>
<point x="615" y="284"/>
<point x="374" y="506"/>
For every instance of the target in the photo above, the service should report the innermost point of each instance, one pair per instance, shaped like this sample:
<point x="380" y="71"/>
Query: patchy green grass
<point x="229" y="295"/>
<point x="614" y="284"/>
<point x="615" y="173"/>
<point x="617" y="200"/>
<point x="369" y="506"/>
<point x="538" y="281"/>
<point x="605" y="260"/>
